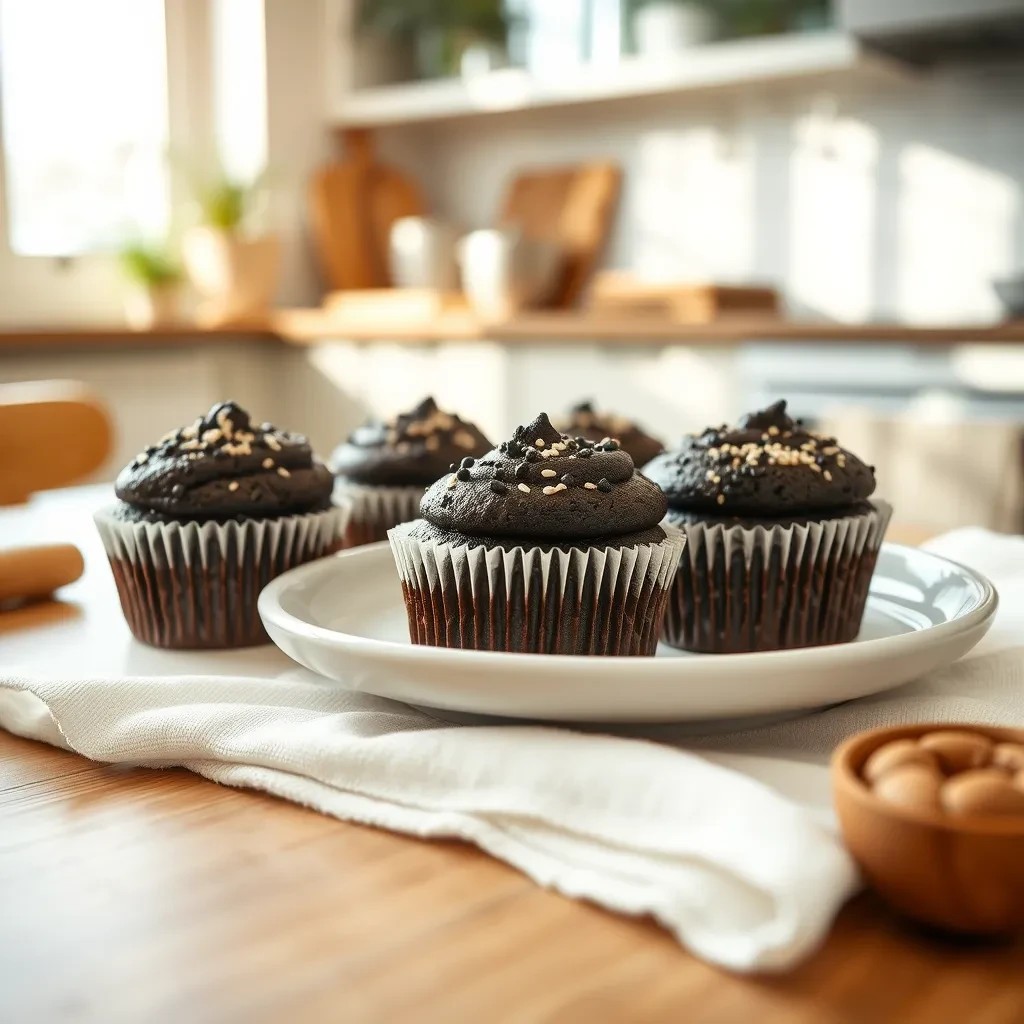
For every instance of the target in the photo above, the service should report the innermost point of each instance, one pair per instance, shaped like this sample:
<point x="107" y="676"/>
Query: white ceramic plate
<point x="344" y="618"/>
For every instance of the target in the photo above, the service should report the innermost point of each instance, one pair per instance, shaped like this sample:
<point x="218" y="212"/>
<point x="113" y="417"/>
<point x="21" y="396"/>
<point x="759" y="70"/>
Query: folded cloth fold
<point x="742" y="875"/>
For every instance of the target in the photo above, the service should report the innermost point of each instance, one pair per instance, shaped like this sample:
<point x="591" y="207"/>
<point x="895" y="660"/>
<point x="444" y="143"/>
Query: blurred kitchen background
<point x="677" y="208"/>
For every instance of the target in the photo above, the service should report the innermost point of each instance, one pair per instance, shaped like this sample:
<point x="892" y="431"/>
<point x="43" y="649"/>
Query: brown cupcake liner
<point x="742" y="588"/>
<point x="191" y="585"/>
<point x="600" y="601"/>
<point x="375" y="510"/>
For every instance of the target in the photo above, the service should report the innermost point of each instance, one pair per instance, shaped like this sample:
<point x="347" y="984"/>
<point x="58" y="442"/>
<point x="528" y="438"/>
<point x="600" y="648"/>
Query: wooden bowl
<point x="963" y="874"/>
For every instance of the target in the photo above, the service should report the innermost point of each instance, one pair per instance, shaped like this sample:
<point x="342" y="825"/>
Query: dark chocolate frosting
<point x="223" y="466"/>
<point x="544" y="486"/>
<point x="411" y="451"/>
<point x="767" y="465"/>
<point x="584" y="421"/>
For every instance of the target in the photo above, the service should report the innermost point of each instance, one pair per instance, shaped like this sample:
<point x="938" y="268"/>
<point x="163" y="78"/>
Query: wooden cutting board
<point x="622" y="294"/>
<point x="352" y="205"/>
<point x="573" y="206"/>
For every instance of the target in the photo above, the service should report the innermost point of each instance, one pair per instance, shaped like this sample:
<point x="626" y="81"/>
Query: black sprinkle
<point x="255" y="494"/>
<point x="532" y="455"/>
<point x="462" y="474"/>
<point x="499" y="473"/>
<point x="584" y="453"/>
<point x="604" y="484"/>
<point x="583" y="442"/>
<point x="522" y="471"/>
<point x="177" y="490"/>
<point x="568" y="479"/>
<point x="446" y="501"/>
<point x="468" y="461"/>
<point x="498" y="487"/>
<point x="452" y="466"/>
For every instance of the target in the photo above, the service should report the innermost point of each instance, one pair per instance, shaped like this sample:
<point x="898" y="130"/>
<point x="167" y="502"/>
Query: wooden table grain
<point x="147" y="896"/>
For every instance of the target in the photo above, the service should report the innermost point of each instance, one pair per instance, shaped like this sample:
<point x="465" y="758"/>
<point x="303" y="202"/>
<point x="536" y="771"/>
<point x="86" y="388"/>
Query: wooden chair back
<point x="52" y="433"/>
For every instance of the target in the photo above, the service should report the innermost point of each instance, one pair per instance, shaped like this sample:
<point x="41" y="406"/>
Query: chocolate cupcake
<point x="583" y="421"/>
<point x="207" y="517"/>
<point x="782" y="536"/>
<point x="383" y="468"/>
<point x="547" y="544"/>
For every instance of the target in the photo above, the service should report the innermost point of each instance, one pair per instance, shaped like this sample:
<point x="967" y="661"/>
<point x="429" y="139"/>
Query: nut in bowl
<point x="934" y="816"/>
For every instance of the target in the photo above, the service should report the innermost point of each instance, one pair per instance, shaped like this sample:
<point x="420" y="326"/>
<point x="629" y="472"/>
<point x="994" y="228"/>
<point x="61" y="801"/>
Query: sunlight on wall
<point x="956" y="232"/>
<point x="692" y="205"/>
<point x="833" y="169"/>
<point x="384" y="379"/>
<point x="240" y="86"/>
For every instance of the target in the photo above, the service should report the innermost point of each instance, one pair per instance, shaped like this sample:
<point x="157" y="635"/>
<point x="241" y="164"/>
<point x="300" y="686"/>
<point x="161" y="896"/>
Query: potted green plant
<point x="154" y="276"/>
<point x="441" y="31"/>
<point x="231" y="263"/>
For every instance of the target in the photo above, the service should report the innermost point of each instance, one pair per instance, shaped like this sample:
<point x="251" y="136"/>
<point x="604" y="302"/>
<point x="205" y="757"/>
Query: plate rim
<point x="273" y="614"/>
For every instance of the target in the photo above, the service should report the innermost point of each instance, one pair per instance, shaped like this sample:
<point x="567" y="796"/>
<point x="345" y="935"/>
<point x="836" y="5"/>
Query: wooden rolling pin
<point x="34" y="572"/>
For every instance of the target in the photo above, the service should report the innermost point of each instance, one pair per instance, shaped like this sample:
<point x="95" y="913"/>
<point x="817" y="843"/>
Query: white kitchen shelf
<point x="726" y="65"/>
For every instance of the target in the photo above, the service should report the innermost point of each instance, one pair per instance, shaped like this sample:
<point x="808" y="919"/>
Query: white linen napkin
<point x="742" y="875"/>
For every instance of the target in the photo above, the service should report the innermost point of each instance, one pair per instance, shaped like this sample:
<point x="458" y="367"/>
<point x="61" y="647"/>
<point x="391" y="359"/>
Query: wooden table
<point x="139" y="895"/>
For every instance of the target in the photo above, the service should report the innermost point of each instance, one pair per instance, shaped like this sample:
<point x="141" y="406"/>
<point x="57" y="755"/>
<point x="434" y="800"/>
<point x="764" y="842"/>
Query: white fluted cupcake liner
<point x="186" y="584"/>
<point x="768" y="587"/>
<point x="601" y="601"/>
<point x="375" y="509"/>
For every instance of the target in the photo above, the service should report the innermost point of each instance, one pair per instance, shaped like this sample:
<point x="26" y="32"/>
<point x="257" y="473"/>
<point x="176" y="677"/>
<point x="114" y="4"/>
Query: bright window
<point x="83" y="119"/>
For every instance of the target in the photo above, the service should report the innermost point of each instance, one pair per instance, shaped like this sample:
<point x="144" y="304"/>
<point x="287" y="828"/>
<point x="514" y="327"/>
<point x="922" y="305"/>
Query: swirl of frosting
<point x="584" y="421"/>
<point x="222" y="465"/>
<point x="767" y="465"/>
<point x="545" y="485"/>
<point x="411" y="451"/>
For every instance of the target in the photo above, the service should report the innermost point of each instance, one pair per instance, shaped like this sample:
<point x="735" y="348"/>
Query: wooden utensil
<point x="55" y="433"/>
<point x="33" y="572"/>
<point x="961" y="873"/>
<point x="571" y="206"/>
<point x="352" y="205"/>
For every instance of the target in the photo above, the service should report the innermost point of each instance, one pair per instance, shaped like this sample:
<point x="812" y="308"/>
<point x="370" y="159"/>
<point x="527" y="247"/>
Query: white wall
<point x="885" y="201"/>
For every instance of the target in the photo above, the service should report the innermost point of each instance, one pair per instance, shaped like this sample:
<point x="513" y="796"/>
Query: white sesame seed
<point x="561" y="487"/>
<point x="720" y="499"/>
<point x="590" y="487"/>
<point x="452" y="481"/>
<point x="268" y="463"/>
<point x="827" y="475"/>
<point x="211" y="436"/>
<point x="709" y="475"/>
<point x="141" y="458"/>
<point x="774" y="431"/>
<point x="464" y="439"/>
<point x="548" y="472"/>
<point x="432" y="443"/>
<point x="815" y="467"/>
<point x="716" y="479"/>
<point x="281" y="471"/>
<point x="524" y="488"/>
<point x="233" y="486"/>
<point x="550" y="490"/>
<point x="539" y="443"/>
<point x="272" y="442"/>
